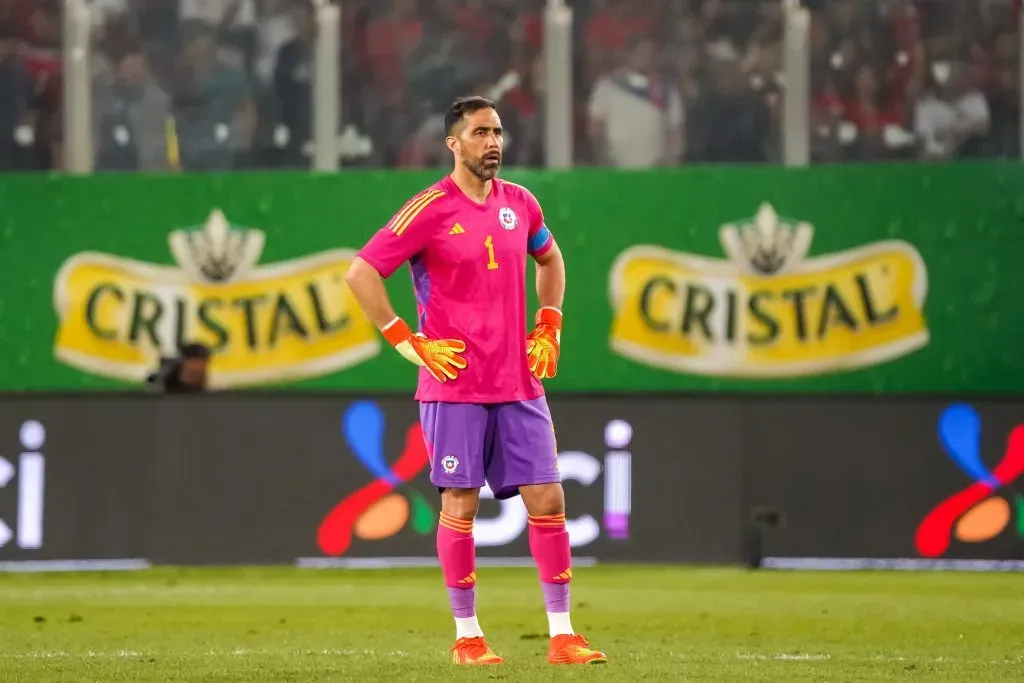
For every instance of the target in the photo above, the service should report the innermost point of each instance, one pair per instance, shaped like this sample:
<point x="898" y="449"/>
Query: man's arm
<point x="542" y="344"/>
<point x="551" y="277"/>
<point x="368" y="287"/>
<point x="440" y="357"/>
<point x="542" y="247"/>
<point x="404" y="236"/>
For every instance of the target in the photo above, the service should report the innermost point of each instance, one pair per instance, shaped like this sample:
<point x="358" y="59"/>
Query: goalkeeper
<point x="482" y="406"/>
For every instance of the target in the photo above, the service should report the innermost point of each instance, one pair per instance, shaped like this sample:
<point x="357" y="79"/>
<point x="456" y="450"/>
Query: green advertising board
<point x="853" y="279"/>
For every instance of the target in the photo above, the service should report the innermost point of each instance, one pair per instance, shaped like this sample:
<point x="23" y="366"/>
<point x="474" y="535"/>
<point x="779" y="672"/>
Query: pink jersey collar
<point x="454" y="190"/>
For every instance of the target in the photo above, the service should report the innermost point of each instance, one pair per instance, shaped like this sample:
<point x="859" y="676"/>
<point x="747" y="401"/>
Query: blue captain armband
<point x="539" y="241"/>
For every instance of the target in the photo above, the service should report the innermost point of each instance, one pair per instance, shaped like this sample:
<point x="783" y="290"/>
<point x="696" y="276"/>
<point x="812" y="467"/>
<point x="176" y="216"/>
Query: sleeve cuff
<point x="377" y="265"/>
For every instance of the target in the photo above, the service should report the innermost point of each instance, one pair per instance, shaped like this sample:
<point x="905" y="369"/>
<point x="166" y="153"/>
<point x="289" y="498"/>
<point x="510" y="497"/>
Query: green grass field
<point x="655" y="623"/>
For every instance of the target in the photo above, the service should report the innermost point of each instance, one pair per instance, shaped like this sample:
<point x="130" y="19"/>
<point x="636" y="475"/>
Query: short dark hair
<point x="463" y="106"/>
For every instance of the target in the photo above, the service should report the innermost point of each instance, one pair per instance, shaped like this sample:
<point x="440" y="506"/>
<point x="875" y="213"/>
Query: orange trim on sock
<point x="462" y="526"/>
<point x="457" y="529"/>
<point x="546" y="520"/>
<point x="456" y="522"/>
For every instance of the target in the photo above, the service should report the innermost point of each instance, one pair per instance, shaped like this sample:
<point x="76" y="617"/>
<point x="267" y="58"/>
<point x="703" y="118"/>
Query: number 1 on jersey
<point x="491" y="263"/>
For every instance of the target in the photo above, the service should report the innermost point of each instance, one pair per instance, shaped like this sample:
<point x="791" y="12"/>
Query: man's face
<point x="480" y="143"/>
<point x="132" y="70"/>
<point x="193" y="372"/>
<point x="641" y="57"/>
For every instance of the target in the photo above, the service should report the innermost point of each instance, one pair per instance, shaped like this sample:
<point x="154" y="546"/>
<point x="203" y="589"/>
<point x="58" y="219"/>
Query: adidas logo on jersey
<point x="457" y="230"/>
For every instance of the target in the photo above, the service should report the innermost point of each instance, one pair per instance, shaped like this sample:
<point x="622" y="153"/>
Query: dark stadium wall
<point x="232" y="479"/>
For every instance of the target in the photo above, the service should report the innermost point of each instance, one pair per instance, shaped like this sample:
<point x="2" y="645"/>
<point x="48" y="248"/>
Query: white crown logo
<point x="766" y="246"/>
<point x="217" y="252"/>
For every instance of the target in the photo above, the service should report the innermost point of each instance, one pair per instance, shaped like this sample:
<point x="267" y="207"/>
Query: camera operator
<point x="184" y="374"/>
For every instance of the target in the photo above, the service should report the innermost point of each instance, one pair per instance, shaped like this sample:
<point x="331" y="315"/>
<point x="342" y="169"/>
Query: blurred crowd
<point x="222" y="84"/>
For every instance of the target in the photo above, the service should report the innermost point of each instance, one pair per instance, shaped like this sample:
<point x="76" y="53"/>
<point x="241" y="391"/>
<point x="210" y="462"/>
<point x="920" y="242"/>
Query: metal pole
<point x="796" y="101"/>
<point x="558" y="86"/>
<point x="77" y="89"/>
<point x="326" y="86"/>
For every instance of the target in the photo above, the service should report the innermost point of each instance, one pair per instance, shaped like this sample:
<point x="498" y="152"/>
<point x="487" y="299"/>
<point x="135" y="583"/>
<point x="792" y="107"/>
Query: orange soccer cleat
<point x="574" y="649"/>
<point x="474" y="652"/>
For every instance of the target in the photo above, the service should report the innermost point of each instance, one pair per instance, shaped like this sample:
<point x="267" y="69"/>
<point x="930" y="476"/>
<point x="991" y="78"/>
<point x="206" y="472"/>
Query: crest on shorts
<point x="449" y="464"/>
<point x="508" y="218"/>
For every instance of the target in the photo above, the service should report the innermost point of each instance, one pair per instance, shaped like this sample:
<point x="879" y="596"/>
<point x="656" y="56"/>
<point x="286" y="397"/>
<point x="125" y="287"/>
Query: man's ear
<point x="451" y="141"/>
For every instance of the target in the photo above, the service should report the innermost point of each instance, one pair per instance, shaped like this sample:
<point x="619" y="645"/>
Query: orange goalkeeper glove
<point x="542" y="345"/>
<point x="439" y="356"/>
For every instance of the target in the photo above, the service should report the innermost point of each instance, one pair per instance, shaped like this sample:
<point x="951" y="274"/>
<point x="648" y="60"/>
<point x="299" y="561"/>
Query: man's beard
<point x="483" y="169"/>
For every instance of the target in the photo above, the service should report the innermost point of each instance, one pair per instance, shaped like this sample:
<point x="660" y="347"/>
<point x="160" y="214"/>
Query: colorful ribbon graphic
<point x="960" y="435"/>
<point x="374" y="511"/>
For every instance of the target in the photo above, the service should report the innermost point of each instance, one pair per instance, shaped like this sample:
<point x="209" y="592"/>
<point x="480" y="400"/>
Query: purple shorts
<point x="505" y="445"/>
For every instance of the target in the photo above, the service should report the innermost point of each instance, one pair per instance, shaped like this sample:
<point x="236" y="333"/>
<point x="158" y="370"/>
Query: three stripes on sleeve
<point x="404" y="218"/>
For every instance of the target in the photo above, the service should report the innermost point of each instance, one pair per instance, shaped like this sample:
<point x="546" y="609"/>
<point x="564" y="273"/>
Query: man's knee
<point x="543" y="499"/>
<point x="460" y="503"/>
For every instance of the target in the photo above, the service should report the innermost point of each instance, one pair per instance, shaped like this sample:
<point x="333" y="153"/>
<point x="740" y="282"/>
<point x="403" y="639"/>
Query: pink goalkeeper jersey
<point x="468" y="264"/>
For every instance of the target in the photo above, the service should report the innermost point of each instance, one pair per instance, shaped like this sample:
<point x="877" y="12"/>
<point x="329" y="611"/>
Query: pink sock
<point x="457" y="552"/>
<point x="549" y="544"/>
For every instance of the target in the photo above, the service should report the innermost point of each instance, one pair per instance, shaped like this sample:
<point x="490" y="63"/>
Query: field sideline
<point x="655" y="623"/>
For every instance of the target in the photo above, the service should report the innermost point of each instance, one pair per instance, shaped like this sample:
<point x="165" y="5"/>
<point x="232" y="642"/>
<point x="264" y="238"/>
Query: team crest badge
<point x="508" y="218"/>
<point x="449" y="464"/>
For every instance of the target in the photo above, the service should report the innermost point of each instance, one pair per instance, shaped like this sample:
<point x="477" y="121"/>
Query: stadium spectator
<point x="995" y="57"/>
<point x="873" y="121"/>
<point x="234" y="20"/>
<point x="730" y="122"/>
<point x="276" y="30"/>
<point x="234" y="105"/>
<point x="42" y="57"/>
<point x="293" y="81"/>
<point x="952" y="117"/>
<point x="131" y="118"/>
<point x="523" y="115"/>
<point x="636" y="115"/>
<point x="213" y="107"/>
<point x="185" y="373"/>
<point x="17" y="111"/>
<point x="16" y="100"/>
